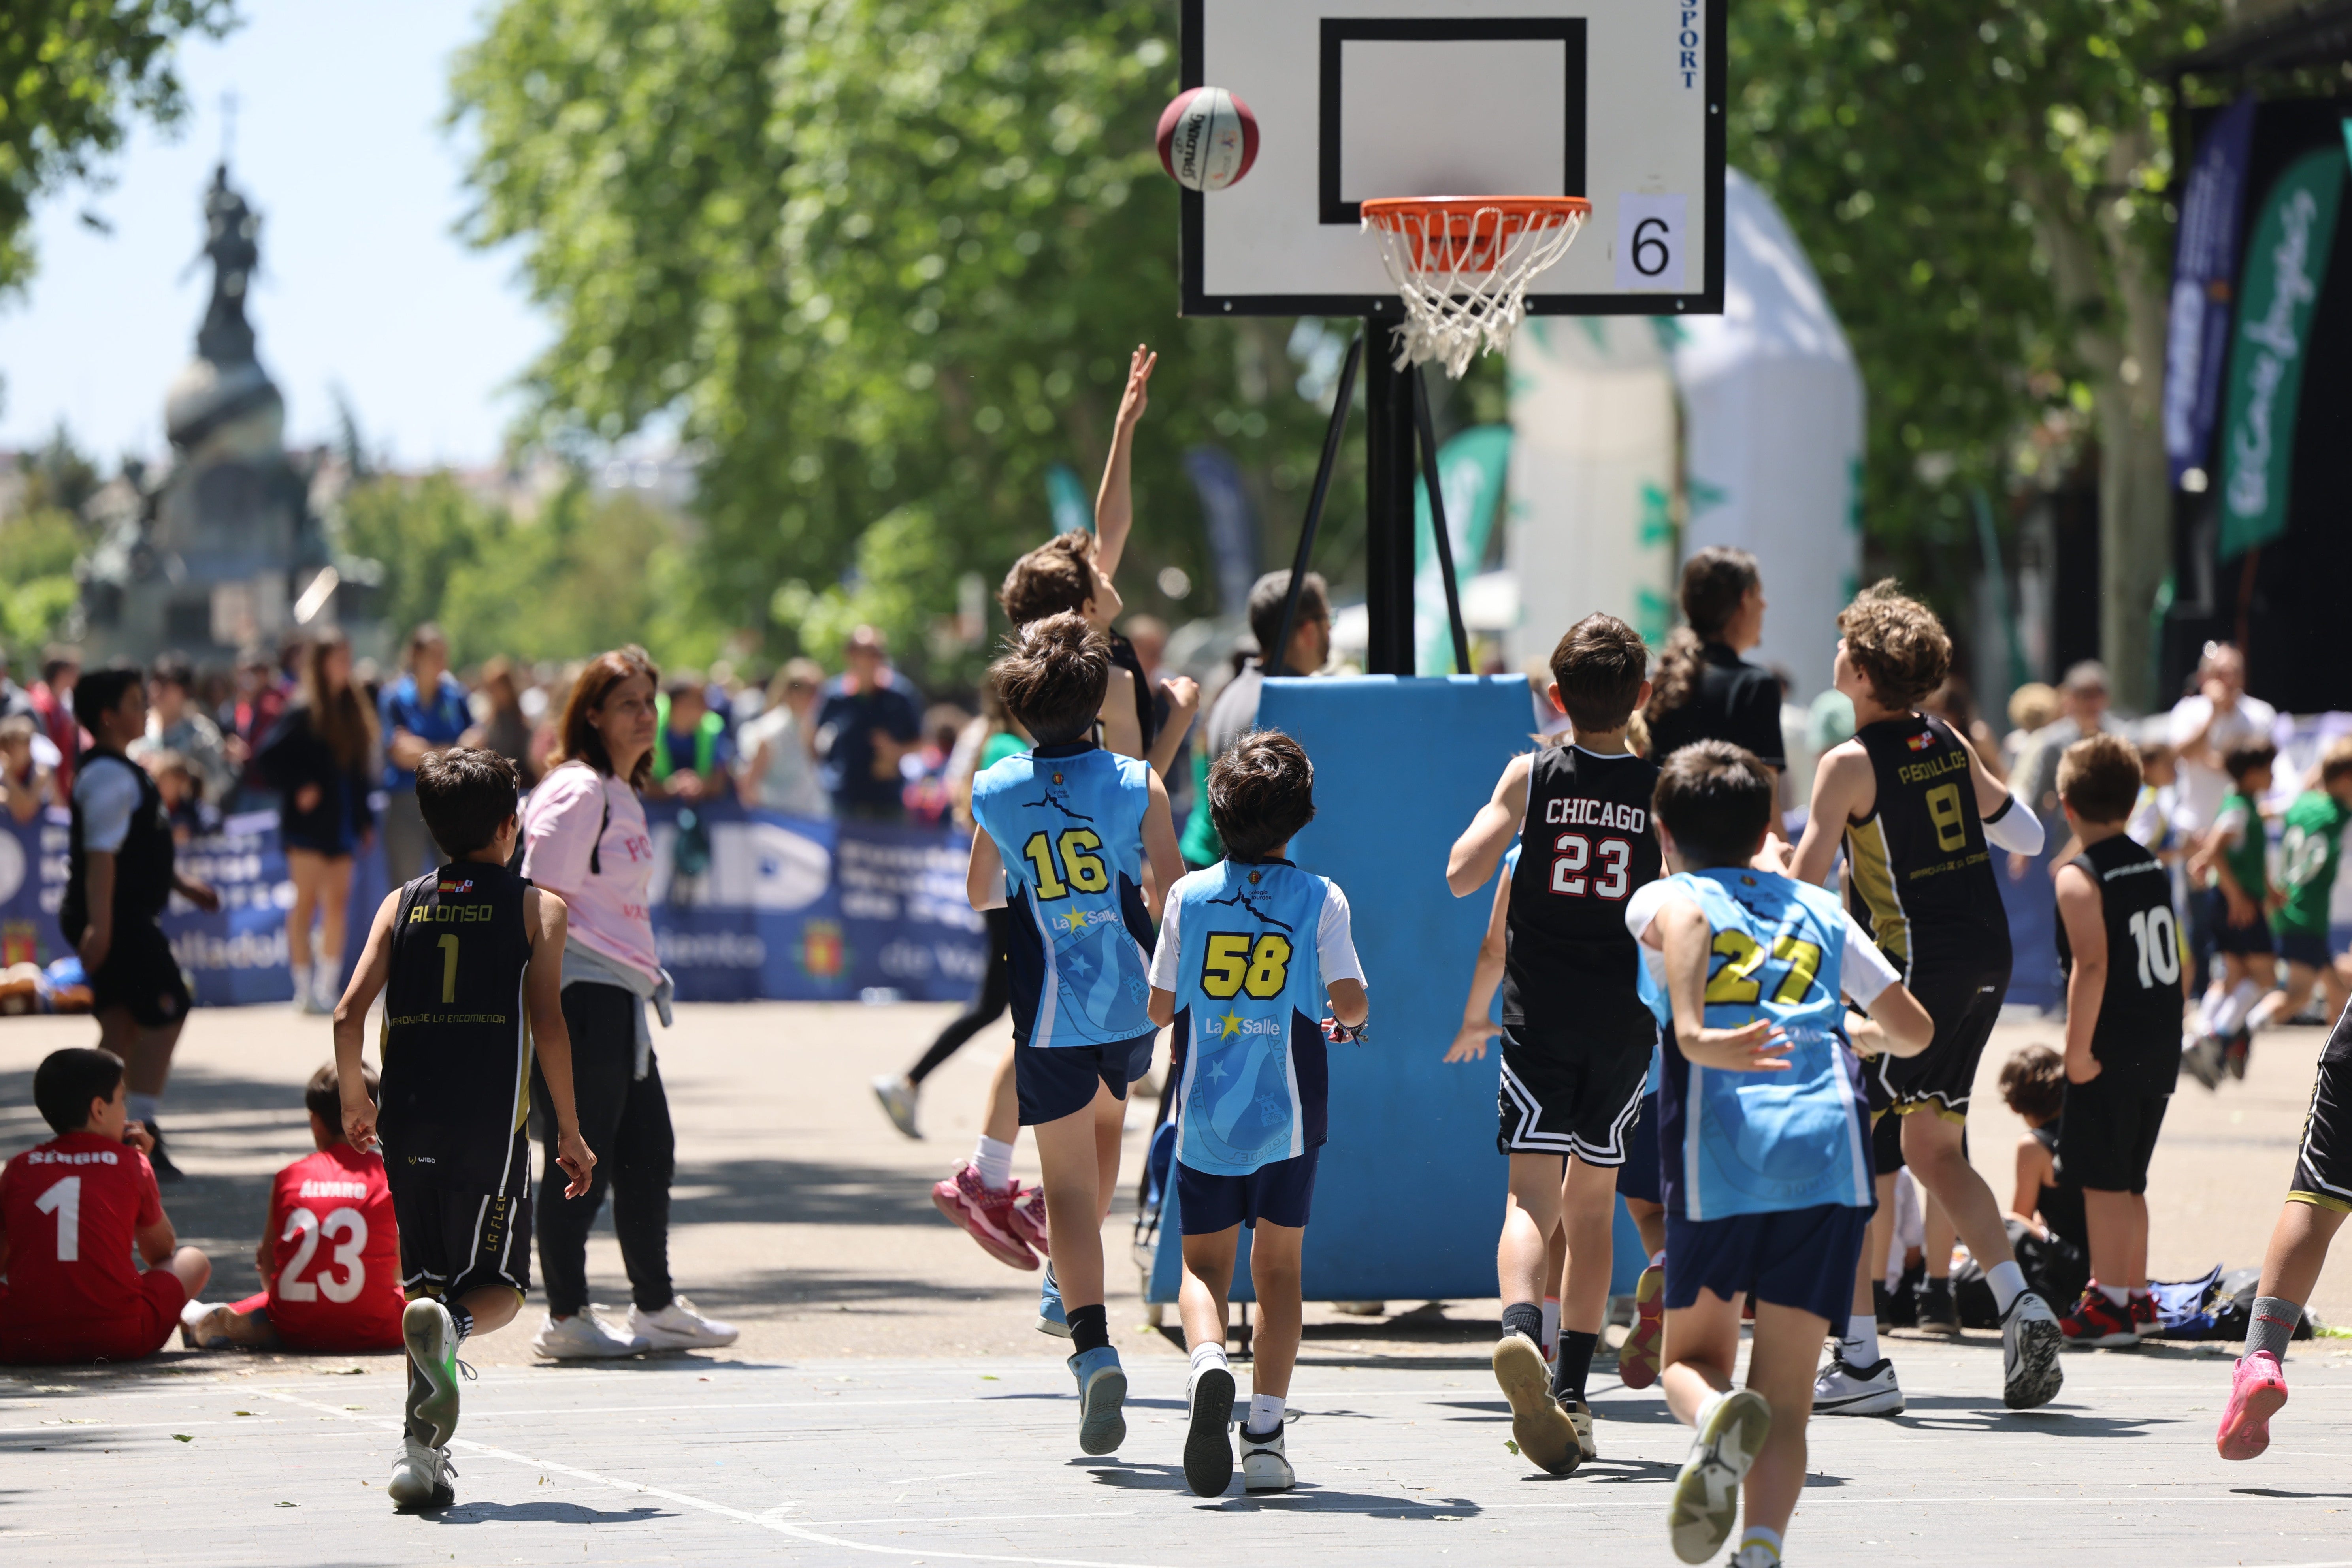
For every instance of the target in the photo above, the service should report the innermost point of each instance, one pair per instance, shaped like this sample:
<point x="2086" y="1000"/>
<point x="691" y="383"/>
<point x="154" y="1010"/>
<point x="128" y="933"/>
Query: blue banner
<point x="2204" y="281"/>
<point x="778" y="908"/>
<point x="1230" y="522"/>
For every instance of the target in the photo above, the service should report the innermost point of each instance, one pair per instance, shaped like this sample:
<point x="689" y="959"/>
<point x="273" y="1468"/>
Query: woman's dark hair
<point x="68" y="1080"/>
<point x="1053" y="676"/>
<point x="1715" y="799"/>
<point x="1261" y="792"/>
<point x="1715" y="583"/>
<point x="578" y="740"/>
<point x="2033" y="1083"/>
<point x="340" y="718"/>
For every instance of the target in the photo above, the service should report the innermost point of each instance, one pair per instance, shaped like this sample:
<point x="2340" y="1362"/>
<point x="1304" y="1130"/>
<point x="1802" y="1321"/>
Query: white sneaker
<point x="583" y="1336"/>
<point x="898" y="1097"/>
<point x="678" y="1326"/>
<point x="1842" y="1389"/>
<point x="2031" y="1341"/>
<point x="1755" y="1554"/>
<point x="420" y="1477"/>
<point x="1265" y="1467"/>
<point x="191" y="1318"/>
<point x="1731" y="1432"/>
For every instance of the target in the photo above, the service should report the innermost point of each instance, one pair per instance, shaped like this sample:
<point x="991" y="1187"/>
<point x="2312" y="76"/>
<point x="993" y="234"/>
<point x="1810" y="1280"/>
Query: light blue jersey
<point x="1068" y="824"/>
<point x="1755" y="1143"/>
<point x="1243" y="947"/>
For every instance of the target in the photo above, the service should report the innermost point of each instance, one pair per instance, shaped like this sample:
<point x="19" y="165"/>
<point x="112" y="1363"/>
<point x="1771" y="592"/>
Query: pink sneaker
<point x="2257" y="1388"/>
<point x="987" y="1216"/>
<point x="1029" y="1216"/>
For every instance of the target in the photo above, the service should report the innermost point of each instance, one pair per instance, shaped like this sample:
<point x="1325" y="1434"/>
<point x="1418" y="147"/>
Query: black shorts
<point x="1054" y="1081"/>
<point x="1639" y="1178"/>
<point x="1886" y="1140"/>
<point x="1282" y="1193"/>
<point x="2109" y="1134"/>
<point x="1576" y="1097"/>
<point x="2323" y="1165"/>
<point x="2306" y="947"/>
<point x="1965" y="1004"/>
<point x="1800" y="1258"/>
<point x="141" y="975"/>
<point x="2252" y="940"/>
<point x="455" y="1237"/>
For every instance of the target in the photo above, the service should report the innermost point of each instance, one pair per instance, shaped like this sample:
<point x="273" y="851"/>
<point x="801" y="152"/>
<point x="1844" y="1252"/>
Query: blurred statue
<point x="230" y="231"/>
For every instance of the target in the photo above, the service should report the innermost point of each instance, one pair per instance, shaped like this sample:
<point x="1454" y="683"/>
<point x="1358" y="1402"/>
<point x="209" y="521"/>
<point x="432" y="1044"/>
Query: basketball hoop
<point x="1463" y="264"/>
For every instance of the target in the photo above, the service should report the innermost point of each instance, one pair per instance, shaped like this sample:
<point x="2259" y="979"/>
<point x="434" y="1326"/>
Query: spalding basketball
<point x="1208" y="139"/>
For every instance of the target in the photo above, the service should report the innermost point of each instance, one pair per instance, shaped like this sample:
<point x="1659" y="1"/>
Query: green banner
<point x="1470" y="472"/>
<point x="2283" y="265"/>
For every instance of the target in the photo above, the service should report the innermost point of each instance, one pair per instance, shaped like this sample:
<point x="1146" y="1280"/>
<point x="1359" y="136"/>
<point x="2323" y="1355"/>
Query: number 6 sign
<point x="1649" y="249"/>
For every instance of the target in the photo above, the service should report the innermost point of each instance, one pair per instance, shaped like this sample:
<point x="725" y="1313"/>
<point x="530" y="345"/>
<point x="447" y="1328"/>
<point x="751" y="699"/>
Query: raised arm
<point x="1483" y="843"/>
<point x="1115" y="501"/>
<point x="1844" y="788"/>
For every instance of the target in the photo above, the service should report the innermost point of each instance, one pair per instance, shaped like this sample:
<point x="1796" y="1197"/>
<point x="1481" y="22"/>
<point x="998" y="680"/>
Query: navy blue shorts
<point x="1638" y="1176"/>
<point x="2252" y="940"/>
<point x="2304" y="948"/>
<point x="1799" y="1258"/>
<point x="1055" y="1081"/>
<point x="1280" y="1194"/>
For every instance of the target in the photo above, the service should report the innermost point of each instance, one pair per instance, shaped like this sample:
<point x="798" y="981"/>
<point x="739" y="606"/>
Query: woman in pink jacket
<point x="585" y="838"/>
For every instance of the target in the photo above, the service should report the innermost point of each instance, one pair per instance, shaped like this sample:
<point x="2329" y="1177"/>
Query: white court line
<point x="950" y="1476"/>
<point x="763" y="1520"/>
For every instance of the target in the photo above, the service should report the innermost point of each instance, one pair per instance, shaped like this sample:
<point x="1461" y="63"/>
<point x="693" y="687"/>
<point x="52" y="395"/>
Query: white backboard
<point x="1619" y="101"/>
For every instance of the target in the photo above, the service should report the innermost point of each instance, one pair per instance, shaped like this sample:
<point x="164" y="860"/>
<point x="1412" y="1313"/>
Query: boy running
<point x="2311" y="844"/>
<point x="1248" y="951"/>
<point x="71" y="1212"/>
<point x="1065" y="833"/>
<point x="1763" y="1099"/>
<point x="1576" y="1036"/>
<point x="2121" y="951"/>
<point x="469" y="961"/>
<point x="2233" y="867"/>
<point x="1918" y="814"/>
<point x="2316" y="1203"/>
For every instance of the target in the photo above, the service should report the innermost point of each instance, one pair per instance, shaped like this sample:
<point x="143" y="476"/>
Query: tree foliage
<point x="883" y="261"/>
<point x="74" y="75"/>
<point x="42" y="532"/>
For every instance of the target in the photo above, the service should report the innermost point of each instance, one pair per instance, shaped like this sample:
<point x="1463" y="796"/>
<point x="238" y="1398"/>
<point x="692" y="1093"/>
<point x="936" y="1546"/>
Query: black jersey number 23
<point x="1586" y="867"/>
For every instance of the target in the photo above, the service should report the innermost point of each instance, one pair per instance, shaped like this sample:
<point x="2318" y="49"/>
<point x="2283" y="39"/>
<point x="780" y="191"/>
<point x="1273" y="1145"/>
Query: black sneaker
<point x="1938" y="1314"/>
<point x="166" y="1171"/>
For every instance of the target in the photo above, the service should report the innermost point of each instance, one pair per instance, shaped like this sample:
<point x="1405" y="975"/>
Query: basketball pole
<point x="1390" y="478"/>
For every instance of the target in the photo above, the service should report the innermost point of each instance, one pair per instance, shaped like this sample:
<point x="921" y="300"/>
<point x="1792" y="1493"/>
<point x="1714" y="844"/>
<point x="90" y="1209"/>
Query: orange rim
<point x="1389" y="211"/>
<point x="1467" y="234"/>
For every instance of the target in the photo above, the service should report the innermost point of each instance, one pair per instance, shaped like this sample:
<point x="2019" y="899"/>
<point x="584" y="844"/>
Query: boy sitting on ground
<point x="2034" y="1085"/>
<point x="330" y="1252"/>
<point x="71" y="1210"/>
<point x="1762" y="1091"/>
<point x="1248" y="951"/>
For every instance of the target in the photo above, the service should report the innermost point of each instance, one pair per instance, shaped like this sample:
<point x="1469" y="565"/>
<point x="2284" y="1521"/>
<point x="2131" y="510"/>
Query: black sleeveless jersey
<point x="1569" y="966"/>
<point x="457" y="1051"/>
<point x="2137" y="1037"/>
<point x="1919" y="875"/>
<point x="142" y="866"/>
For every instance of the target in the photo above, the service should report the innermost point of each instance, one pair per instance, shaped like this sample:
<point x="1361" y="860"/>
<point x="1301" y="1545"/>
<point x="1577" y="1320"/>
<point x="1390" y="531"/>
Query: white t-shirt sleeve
<point x="1863" y="970"/>
<point x="1163" y="957"/>
<point x="1335" y="939"/>
<point x="1641" y="909"/>
<point x="2187" y="718"/>
<point x="107" y="796"/>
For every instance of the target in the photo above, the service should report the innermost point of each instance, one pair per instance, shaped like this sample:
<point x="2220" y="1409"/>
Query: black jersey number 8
<point x="1572" y="855"/>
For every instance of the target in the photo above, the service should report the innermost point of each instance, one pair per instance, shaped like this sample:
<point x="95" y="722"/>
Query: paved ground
<point x="889" y="1396"/>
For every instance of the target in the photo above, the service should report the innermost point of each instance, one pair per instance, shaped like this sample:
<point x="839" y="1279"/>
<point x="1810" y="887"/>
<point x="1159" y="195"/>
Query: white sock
<point x="2235" y="1006"/>
<point x="1756" y="1536"/>
<point x="143" y="1106"/>
<point x="2208" y="1007"/>
<point x="2008" y="1282"/>
<point x="1205" y="1357"/>
<point x="1658" y="1259"/>
<point x="1859" y="1348"/>
<point x="1551" y="1322"/>
<point x="1708" y="1407"/>
<point x="2116" y="1295"/>
<point x="1265" y="1413"/>
<point x="995" y="1158"/>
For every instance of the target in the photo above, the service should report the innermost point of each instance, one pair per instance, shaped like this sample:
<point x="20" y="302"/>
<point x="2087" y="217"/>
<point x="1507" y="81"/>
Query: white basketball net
<point x="1463" y="272"/>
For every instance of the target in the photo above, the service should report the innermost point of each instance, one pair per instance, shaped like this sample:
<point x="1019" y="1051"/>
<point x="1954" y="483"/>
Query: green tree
<point x="1983" y="189"/>
<point x="40" y="540"/>
<point x="74" y="75"/>
<point x="883" y="262"/>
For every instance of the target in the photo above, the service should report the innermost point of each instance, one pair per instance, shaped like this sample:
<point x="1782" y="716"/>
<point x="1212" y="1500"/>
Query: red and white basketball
<point x="1208" y="139"/>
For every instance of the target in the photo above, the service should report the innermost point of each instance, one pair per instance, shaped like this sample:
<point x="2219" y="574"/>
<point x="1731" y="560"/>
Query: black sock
<point x="463" y="1319"/>
<point x="1573" y="1365"/>
<point x="1089" y="1327"/>
<point x="1522" y="1317"/>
